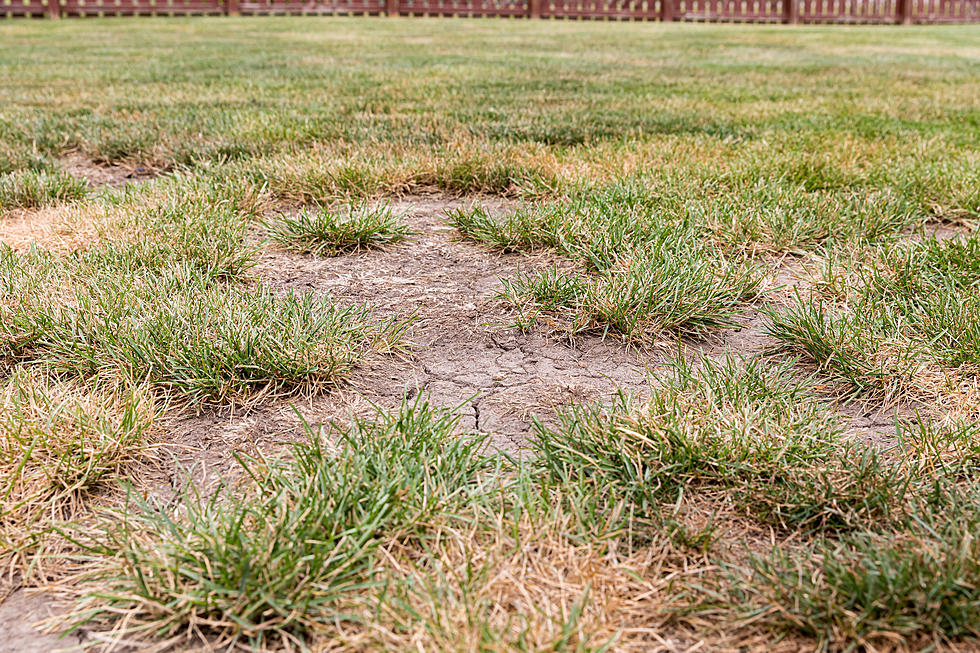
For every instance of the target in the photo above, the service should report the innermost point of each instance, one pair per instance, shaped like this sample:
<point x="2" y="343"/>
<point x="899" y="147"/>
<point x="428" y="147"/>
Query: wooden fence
<point x="759" y="11"/>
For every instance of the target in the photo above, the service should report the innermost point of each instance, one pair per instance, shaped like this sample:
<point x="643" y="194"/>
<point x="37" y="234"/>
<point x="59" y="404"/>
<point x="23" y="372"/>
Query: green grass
<point x="640" y="277"/>
<point x="753" y="432"/>
<point x="299" y="104"/>
<point x="326" y="232"/>
<point x="29" y="189"/>
<point x="298" y="543"/>
<point x="899" y="320"/>
<point x="401" y="526"/>
<point x="920" y="585"/>
<point x="175" y="329"/>
<point x="202" y="223"/>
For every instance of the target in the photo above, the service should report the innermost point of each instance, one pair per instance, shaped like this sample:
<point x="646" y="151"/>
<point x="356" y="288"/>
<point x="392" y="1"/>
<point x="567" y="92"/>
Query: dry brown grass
<point x="61" y="443"/>
<point x="493" y="583"/>
<point x="527" y="584"/>
<point x="61" y="229"/>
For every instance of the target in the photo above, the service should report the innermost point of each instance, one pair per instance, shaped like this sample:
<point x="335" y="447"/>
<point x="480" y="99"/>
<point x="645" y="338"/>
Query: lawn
<point x="489" y="335"/>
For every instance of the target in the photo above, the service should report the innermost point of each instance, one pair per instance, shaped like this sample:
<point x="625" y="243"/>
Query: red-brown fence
<point x="760" y="11"/>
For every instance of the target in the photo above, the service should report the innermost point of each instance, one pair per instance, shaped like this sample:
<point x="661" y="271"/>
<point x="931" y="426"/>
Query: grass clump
<point x="201" y="223"/>
<point x="641" y="276"/>
<point x="295" y="546"/>
<point x="665" y="290"/>
<point x="870" y="589"/>
<point x="30" y="189"/>
<point x="899" y="321"/>
<point x="325" y="232"/>
<point x="750" y="433"/>
<point x="776" y="217"/>
<point x="59" y="442"/>
<point x="200" y="341"/>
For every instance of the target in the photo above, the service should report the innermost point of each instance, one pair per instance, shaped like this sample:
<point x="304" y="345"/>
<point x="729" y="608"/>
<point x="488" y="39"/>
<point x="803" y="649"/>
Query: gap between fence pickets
<point x="791" y="12"/>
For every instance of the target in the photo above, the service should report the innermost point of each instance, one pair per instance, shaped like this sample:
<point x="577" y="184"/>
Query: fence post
<point x="904" y="12"/>
<point x="667" y="10"/>
<point x="54" y="8"/>
<point x="392" y="7"/>
<point x="791" y="12"/>
<point x="230" y="7"/>
<point x="534" y="8"/>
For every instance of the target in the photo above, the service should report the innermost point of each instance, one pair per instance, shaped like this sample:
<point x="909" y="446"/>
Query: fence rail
<point x="759" y="11"/>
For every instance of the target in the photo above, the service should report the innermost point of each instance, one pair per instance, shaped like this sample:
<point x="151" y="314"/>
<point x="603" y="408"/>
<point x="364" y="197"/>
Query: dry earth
<point x="79" y="165"/>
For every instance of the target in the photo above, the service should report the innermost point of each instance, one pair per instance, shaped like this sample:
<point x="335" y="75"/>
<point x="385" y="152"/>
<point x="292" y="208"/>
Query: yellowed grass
<point x="61" y="443"/>
<point x="61" y="229"/>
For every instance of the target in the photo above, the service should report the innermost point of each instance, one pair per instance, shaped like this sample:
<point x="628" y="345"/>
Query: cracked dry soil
<point x="462" y="354"/>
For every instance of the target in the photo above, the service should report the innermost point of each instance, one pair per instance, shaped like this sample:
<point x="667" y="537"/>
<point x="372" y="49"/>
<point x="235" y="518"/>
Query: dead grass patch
<point x="499" y="585"/>
<point x="62" y="229"/>
<point x="61" y="443"/>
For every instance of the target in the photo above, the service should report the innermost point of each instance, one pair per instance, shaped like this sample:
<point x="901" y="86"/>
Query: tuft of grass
<point x="838" y="344"/>
<point x="649" y="294"/>
<point x="898" y="321"/>
<point x="59" y="442"/>
<point x="775" y="217"/>
<point x="201" y="223"/>
<point x="526" y="229"/>
<point x="948" y="449"/>
<point x="30" y="189"/>
<point x="176" y="330"/>
<point x="295" y="546"/>
<point x="748" y="431"/>
<point x="642" y="276"/>
<point x="870" y="589"/>
<point x="325" y="232"/>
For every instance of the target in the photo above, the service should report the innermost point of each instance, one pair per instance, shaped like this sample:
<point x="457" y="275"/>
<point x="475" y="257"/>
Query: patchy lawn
<point x="373" y="334"/>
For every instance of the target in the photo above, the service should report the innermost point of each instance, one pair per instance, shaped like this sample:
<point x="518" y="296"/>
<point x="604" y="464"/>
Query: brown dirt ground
<point x="462" y="354"/>
<point x="18" y="614"/>
<point x="81" y="166"/>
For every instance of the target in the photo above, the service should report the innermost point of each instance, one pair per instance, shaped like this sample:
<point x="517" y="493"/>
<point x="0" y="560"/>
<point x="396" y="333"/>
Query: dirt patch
<point x="19" y="616"/>
<point x="939" y="231"/>
<point x="81" y="166"/>
<point x="465" y="356"/>
<point x="464" y="353"/>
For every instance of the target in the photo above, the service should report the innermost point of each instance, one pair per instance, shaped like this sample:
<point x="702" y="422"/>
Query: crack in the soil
<point x="465" y="351"/>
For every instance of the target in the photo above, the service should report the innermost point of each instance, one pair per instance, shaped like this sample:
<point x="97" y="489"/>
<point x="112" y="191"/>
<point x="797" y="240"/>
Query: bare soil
<point x="462" y="355"/>
<point x="81" y="166"/>
<point x="19" y="615"/>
